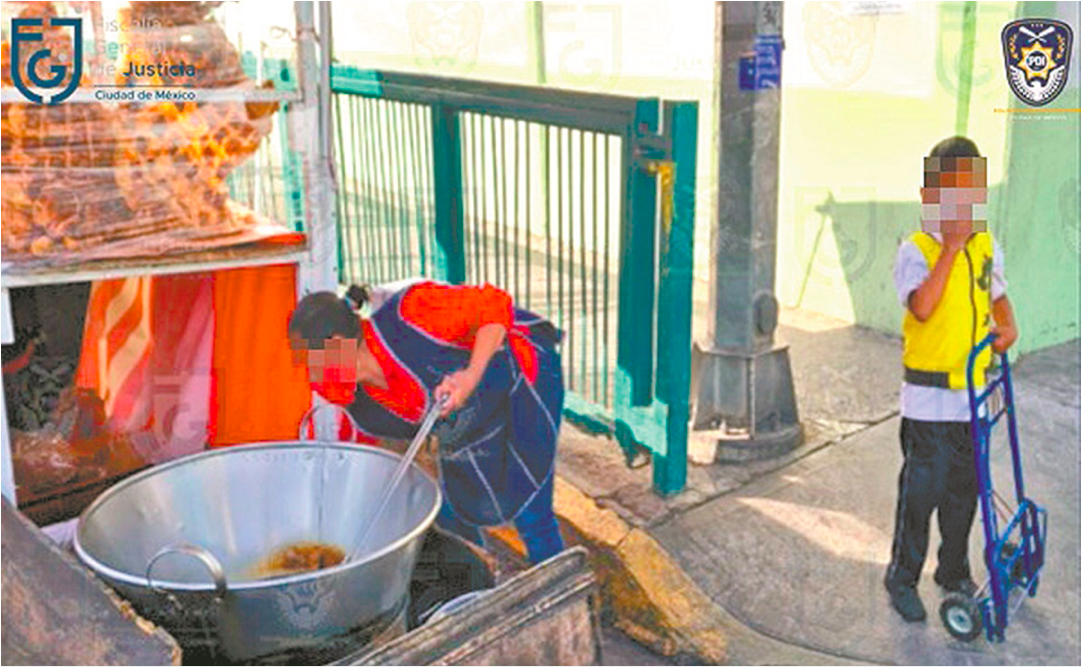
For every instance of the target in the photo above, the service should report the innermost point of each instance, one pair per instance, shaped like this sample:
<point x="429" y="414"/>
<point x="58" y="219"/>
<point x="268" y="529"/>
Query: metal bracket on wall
<point x="665" y="173"/>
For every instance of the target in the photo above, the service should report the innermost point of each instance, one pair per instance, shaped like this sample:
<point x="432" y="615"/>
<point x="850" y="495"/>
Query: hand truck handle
<point x="971" y="367"/>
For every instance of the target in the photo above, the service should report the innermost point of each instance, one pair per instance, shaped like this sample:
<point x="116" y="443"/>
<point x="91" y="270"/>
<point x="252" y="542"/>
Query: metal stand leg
<point x="746" y="406"/>
<point x="7" y="481"/>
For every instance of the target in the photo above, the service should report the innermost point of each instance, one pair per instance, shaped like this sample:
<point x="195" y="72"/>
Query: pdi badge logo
<point x="32" y="30"/>
<point x="1037" y="53"/>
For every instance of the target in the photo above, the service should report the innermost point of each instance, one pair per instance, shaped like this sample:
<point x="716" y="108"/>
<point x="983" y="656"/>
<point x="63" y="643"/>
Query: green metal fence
<point x="553" y="196"/>
<point x="385" y="202"/>
<point x="541" y="219"/>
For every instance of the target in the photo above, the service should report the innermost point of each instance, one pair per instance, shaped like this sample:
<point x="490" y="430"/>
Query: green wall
<point x="1040" y="213"/>
<point x="851" y="167"/>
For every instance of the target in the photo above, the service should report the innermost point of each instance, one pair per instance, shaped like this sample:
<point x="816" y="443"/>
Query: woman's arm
<point x="460" y="386"/>
<point x="489" y="338"/>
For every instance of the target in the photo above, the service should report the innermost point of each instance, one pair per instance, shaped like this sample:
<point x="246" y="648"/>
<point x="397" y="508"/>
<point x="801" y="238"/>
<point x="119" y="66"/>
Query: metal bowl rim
<point x="132" y="580"/>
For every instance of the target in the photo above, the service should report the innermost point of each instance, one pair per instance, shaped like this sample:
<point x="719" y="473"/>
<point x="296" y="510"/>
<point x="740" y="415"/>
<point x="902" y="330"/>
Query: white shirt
<point x="935" y="403"/>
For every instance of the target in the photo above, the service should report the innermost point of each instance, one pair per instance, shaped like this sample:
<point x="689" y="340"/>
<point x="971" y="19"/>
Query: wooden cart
<point x="56" y="612"/>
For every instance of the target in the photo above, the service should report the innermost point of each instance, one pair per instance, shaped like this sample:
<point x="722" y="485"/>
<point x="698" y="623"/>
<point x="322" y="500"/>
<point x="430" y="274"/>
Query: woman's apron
<point x="497" y="450"/>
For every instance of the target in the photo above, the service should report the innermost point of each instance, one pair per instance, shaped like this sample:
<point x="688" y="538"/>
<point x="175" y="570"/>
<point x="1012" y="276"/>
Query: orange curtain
<point x="258" y="393"/>
<point x="116" y="348"/>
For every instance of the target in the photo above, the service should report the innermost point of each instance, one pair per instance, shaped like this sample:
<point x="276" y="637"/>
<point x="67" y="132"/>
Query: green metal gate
<point x="580" y="205"/>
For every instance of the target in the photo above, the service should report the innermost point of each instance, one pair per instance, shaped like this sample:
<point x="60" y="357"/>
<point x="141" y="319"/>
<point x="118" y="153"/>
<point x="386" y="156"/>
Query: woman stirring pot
<point x="498" y="368"/>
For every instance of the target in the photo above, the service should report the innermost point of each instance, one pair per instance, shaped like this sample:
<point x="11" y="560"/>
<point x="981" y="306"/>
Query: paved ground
<point x="796" y="549"/>
<point x="857" y="388"/>
<point x="619" y="649"/>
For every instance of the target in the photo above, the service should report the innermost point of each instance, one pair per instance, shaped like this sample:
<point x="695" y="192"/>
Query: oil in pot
<point x="298" y="557"/>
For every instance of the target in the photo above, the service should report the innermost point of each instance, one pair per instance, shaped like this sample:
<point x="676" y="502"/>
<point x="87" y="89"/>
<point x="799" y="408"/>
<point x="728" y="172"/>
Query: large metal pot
<point x="181" y="539"/>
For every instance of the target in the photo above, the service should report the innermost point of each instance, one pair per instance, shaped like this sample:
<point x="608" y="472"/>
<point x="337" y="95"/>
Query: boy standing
<point x="949" y="278"/>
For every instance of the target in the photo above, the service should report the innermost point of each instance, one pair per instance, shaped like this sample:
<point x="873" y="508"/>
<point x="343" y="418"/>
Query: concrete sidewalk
<point x="785" y="558"/>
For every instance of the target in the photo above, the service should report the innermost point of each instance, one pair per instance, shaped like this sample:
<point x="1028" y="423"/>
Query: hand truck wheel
<point x="961" y="616"/>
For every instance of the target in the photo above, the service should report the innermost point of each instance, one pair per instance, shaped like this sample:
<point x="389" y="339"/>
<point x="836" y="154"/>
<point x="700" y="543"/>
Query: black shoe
<point x="964" y="585"/>
<point x="906" y="601"/>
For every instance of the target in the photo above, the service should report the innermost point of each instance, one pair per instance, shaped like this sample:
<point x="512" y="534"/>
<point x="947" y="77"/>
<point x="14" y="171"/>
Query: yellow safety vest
<point x="936" y="351"/>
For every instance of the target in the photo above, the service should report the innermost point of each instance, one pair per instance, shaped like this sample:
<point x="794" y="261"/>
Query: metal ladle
<point x="423" y="432"/>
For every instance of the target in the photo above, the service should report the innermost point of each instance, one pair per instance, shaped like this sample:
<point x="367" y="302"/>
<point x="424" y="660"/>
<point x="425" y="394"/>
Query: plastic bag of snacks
<point x="74" y="448"/>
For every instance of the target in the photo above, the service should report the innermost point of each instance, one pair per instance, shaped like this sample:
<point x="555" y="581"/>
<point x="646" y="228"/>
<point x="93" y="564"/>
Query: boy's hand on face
<point x="955" y="234"/>
<point x="954" y="242"/>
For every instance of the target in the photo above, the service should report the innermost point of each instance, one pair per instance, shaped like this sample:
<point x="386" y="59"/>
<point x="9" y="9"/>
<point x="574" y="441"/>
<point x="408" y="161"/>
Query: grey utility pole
<point x="746" y="404"/>
<point x="311" y="134"/>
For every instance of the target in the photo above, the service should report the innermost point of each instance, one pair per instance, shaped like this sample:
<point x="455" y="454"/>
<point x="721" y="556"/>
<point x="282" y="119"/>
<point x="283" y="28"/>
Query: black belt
<point x="927" y="378"/>
<point x="939" y="379"/>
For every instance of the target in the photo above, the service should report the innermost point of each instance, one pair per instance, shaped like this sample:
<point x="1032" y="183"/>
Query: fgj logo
<point x="1037" y="53"/>
<point x="22" y="31"/>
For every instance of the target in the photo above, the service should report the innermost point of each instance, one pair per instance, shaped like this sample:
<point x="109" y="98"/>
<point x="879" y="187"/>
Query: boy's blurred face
<point x="954" y="195"/>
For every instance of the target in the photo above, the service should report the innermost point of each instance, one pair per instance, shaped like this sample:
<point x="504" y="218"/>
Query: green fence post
<point x="634" y="329"/>
<point x="292" y="178"/>
<point x="449" y="211"/>
<point x="675" y="298"/>
<point x="343" y="276"/>
<point x="634" y="354"/>
<point x="336" y="161"/>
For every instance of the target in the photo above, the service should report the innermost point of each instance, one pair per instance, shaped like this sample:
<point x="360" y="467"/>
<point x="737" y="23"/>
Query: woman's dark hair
<point x="357" y="296"/>
<point x="323" y="315"/>
<point x="955" y="147"/>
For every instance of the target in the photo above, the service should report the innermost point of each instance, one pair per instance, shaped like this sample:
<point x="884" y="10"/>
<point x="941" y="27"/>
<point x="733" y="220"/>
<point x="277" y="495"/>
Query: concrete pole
<point x="310" y="133"/>
<point x="746" y="407"/>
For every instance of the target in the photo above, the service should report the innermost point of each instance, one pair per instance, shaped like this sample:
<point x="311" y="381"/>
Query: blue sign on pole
<point x="767" y="61"/>
<point x="746" y="72"/>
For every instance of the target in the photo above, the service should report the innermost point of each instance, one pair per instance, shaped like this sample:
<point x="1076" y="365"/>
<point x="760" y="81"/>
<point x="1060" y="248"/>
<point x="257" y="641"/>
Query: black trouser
<point x="938" y="473"/>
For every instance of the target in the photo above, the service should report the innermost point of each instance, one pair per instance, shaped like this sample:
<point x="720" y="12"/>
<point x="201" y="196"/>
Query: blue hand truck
<point x="1014" y="556"/>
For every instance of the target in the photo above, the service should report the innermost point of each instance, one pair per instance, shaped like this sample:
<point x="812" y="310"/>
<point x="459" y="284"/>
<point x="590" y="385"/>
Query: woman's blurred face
<point x="335" y="362"/>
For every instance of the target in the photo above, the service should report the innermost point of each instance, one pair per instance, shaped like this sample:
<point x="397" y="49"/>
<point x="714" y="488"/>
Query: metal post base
<point x="746" y="408"/>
